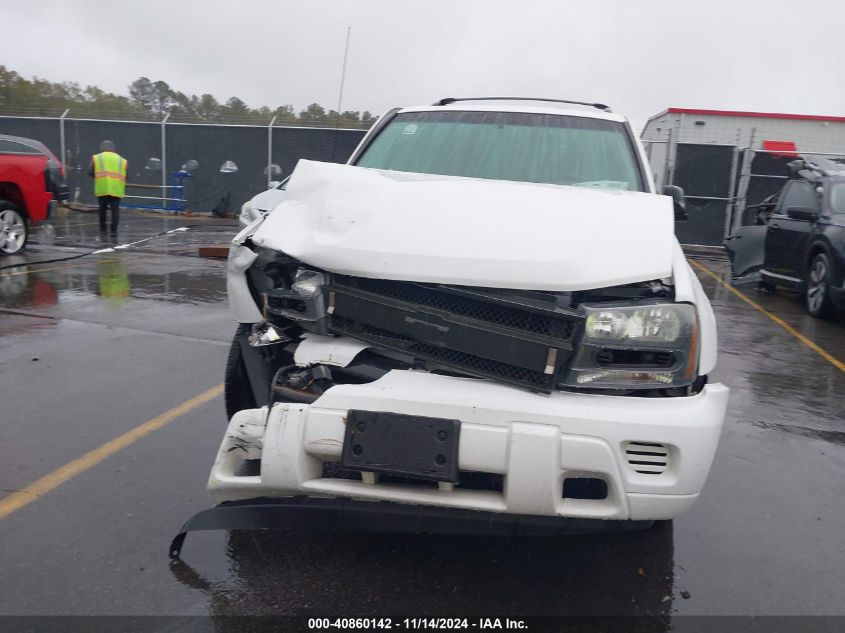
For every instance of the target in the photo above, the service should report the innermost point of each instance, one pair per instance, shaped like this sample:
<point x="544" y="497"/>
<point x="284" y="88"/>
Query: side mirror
<point x="802" y="213"/>
<point x="273" y="184"/>
<point x="677" y="195"/>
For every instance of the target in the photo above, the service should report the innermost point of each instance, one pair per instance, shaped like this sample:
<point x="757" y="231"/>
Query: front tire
<point x="237" y="391"/>
<point x="14" y="230"/>
<point x="816" y="295"/>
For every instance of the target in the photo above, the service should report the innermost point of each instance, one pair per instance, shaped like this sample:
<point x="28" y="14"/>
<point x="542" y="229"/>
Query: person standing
<point x="109" y="171"/>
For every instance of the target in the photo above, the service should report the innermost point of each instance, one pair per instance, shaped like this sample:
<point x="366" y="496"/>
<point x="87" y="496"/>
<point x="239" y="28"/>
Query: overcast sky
<point x="638" y="56"/>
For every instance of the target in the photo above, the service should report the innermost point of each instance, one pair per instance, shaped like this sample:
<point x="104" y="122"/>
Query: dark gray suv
<point x="796" y="237"/>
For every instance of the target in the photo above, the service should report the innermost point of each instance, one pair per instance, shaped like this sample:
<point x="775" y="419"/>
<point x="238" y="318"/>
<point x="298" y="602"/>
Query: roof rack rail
<point x="448" y="100"/>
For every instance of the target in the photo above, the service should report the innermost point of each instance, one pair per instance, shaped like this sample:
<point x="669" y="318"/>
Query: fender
<point x="688" y="288"/>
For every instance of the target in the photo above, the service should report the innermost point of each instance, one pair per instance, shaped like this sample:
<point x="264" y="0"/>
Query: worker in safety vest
<point x="109" y="171"/>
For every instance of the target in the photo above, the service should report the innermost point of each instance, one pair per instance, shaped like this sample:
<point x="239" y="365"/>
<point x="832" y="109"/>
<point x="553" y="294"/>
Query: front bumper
<point x="347" y="515"/>
<point x="534" y="441"/>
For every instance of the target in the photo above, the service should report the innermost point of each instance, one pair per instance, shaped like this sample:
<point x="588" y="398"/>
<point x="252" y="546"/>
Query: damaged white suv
<point x="482" y="322"/>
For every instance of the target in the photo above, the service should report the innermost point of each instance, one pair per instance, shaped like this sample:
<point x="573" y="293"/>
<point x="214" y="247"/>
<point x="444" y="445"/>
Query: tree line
<point x="147" y="99"/>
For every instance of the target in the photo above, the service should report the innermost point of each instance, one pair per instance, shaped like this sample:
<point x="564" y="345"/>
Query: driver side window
<point x="799" y="194"/>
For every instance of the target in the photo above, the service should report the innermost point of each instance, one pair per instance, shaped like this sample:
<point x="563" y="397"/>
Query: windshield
<point x="525" y="147"/>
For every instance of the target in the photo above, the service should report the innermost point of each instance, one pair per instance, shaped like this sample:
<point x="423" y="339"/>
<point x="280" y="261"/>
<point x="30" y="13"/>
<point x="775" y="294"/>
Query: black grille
<point x="444" y="299"/>
<point x="448" y="330"/>
<point x="466" y="363"/>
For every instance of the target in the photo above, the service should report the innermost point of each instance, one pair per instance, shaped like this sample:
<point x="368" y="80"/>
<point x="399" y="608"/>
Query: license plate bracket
<point x="413" y="446"/>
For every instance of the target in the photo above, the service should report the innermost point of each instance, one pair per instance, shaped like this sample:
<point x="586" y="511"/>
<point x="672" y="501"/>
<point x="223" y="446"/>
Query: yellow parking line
<point x="65" y="473"/>
<point x="809" y="343"/>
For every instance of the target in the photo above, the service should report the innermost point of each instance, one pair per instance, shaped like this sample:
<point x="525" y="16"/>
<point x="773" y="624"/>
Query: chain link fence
<point x="230" y="163"/>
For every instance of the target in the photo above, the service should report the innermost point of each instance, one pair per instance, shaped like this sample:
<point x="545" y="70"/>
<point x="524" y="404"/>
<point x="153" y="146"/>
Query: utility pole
<point x="62" y="137"/>
<point x="164" y="154"/>
<point x="340" y="92"/>
<point x="270" y="151"/>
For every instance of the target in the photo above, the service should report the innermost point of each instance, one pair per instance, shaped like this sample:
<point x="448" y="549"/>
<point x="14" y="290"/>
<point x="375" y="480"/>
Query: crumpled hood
<point x="469" y="231"/>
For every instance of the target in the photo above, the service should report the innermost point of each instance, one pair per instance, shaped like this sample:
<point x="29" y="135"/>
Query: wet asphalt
<point x="92" y="347"/>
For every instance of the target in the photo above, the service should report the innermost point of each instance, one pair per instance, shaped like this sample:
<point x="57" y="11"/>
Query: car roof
<point x="509" y="106"/>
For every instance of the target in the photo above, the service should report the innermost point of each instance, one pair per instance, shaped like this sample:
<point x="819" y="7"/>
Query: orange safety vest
<point x="109" y="174"/>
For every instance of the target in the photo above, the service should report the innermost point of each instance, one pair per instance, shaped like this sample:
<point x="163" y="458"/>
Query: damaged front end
<point x="627" y="337"/>
<point x="476" y="356"/>
<point x="523" y="410"/>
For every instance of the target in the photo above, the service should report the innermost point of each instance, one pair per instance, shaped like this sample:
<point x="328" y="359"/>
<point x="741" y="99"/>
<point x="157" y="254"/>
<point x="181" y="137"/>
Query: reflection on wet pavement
<point x="136" y="273"/>
<point x="114" y="280"/>
<point x="394" y="574"/>
<point x="189" y="280"/>
<point x="836" y="437"/>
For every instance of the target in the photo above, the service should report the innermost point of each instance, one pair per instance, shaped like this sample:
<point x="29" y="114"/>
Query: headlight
<point x="659" y="323"/>
<point x="304" y="302"/>
<point x="636" y="347"/>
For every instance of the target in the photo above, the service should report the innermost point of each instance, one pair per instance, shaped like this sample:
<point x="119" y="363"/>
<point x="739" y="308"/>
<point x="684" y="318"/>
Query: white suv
<point x="482" y="322"/>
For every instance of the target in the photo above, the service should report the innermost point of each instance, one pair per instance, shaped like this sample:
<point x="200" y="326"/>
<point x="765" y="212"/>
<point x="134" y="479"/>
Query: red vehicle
<point x="32" y="181"/>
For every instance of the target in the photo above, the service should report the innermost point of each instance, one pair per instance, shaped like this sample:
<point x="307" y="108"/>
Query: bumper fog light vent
<point x="647" y="458"/>
<point x="584" y="488"/>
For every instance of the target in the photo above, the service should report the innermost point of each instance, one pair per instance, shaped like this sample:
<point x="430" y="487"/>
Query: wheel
<point x="237" y="392"/>
<point x="14" y="230"/>
<point x="817" y="297"/>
